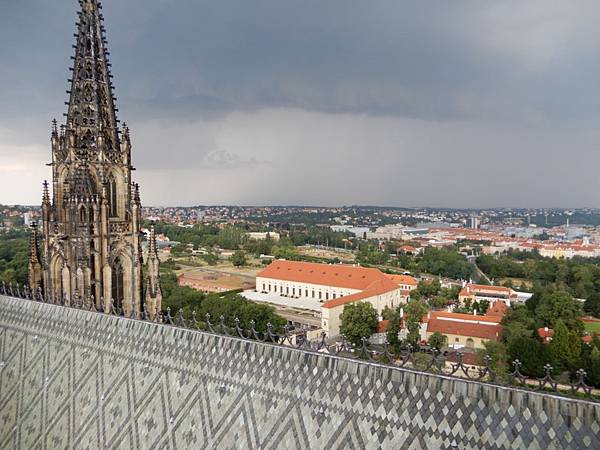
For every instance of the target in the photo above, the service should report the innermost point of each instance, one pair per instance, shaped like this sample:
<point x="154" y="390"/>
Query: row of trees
<point x="229" y="305"/>
<point x="360" y="320"/>
<point x="444" y="262"/>
<point x="566" y="352"/>
<point x="235" y="238"/>
<point x="579" y="277"/>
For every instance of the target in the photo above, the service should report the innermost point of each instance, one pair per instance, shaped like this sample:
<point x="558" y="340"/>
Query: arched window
<point x="92" y="262"/>
<point x="82" y="215"/>
<point x="118" y="291"/>
<point x="112" y="197"/>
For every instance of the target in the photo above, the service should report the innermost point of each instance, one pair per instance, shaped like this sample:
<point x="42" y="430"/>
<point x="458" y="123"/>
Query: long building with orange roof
<point x="334" y="285"/>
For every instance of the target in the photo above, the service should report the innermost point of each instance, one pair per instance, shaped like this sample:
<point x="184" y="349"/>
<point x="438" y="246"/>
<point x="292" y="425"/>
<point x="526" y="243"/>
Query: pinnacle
<point x="90" y="5"/>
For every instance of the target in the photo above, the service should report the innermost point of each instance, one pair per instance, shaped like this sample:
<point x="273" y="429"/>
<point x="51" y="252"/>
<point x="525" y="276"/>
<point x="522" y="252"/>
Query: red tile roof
<point x="378" y="287"/>
<point x="383" y="326"/>
<point x="497" y="309"/>
<point x="403" y="279"/>
<point x="545" y="333"/>
<point x="464" y="317"/>
<point x="487" y="331"/>
<point x="338" y="275"/>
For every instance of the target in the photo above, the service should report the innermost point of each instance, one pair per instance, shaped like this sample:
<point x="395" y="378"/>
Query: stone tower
<point x="91" y="250"/>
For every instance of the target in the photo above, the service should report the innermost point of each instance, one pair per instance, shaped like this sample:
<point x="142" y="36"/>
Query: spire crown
<point x="92" y="112"/>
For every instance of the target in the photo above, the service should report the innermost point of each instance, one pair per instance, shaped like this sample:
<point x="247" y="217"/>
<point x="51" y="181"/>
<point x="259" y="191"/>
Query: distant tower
<point x="91" y="225"/>
<point x="473" y="222"/>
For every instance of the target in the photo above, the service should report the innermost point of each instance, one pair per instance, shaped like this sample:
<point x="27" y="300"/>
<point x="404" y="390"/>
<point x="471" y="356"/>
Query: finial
<point x="54" y="128"/>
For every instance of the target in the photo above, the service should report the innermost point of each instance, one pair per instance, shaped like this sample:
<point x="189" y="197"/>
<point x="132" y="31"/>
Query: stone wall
<point x="84" y="380"/>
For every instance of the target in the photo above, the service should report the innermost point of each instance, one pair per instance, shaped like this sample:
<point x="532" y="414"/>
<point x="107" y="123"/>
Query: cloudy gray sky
<point x="464" y="103"/>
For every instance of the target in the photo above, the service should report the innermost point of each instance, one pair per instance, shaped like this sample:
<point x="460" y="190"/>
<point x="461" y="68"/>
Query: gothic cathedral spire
<point x="91" y="250"/>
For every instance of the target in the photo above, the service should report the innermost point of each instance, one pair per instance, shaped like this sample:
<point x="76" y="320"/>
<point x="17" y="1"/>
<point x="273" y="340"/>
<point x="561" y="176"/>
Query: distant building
<point x="473" y="223"/>
<point x="467" y="330"/>
<point x="406" y="282"/>
<point x="481" y="292"/>
<point x="333" y="285"/>
<point x="264" y="236"/>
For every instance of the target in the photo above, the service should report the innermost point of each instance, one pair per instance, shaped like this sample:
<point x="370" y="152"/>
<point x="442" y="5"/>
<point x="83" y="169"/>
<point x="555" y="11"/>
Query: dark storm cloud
<point x="508" y="88"/>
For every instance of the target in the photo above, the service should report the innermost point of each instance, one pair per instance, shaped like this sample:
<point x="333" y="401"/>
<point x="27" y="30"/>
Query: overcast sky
<point x="440" y="103"/>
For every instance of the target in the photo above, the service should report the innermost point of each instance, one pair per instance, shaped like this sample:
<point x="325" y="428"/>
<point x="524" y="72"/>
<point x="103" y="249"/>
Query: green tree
<point x="210" y="258"/>
<point x="438" y="340"/>
<point x="591" y="364"/>
<point x="497" y="351"/>
<point x="429" y="289"/>
<point x="565" y="348"/>
<point x="532" y="354"/>
<point x="439" y="301"/>
<point x="560" y="305"/>
<point x="518" y="322"/>
<point x="592" y="305"/>
<point x="238" y="259"/>
<point x="387" y="313"/>
<point x="414" y="311"/>
<point x="179" y="250"/>
<point x="359" y="320"/>
<point x="393" y="330"/>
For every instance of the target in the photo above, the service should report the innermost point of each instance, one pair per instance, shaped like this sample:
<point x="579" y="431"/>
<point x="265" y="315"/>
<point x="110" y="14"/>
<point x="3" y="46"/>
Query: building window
<point x="327" y="296"/>
<point x="306" y="293"/>
<point x="320" y="295"/>
<point x="313" y="294"/>
<point x="293" y="292"/>
<point x="287" y="290"/>
<point x="112" y="197"/>
<point x="118" y="291"/>
<point x="264" y="287"/>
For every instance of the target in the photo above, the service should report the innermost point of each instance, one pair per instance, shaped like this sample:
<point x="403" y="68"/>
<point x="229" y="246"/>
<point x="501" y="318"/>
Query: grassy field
<point x="592" y="327"/>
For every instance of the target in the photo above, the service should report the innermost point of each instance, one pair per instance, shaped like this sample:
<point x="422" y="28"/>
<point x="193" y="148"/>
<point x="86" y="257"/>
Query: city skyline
<point x="478" y="106"/>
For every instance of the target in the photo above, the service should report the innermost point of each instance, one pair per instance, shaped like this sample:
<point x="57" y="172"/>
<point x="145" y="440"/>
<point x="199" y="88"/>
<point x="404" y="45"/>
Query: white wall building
<point x="332" y="285"/>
